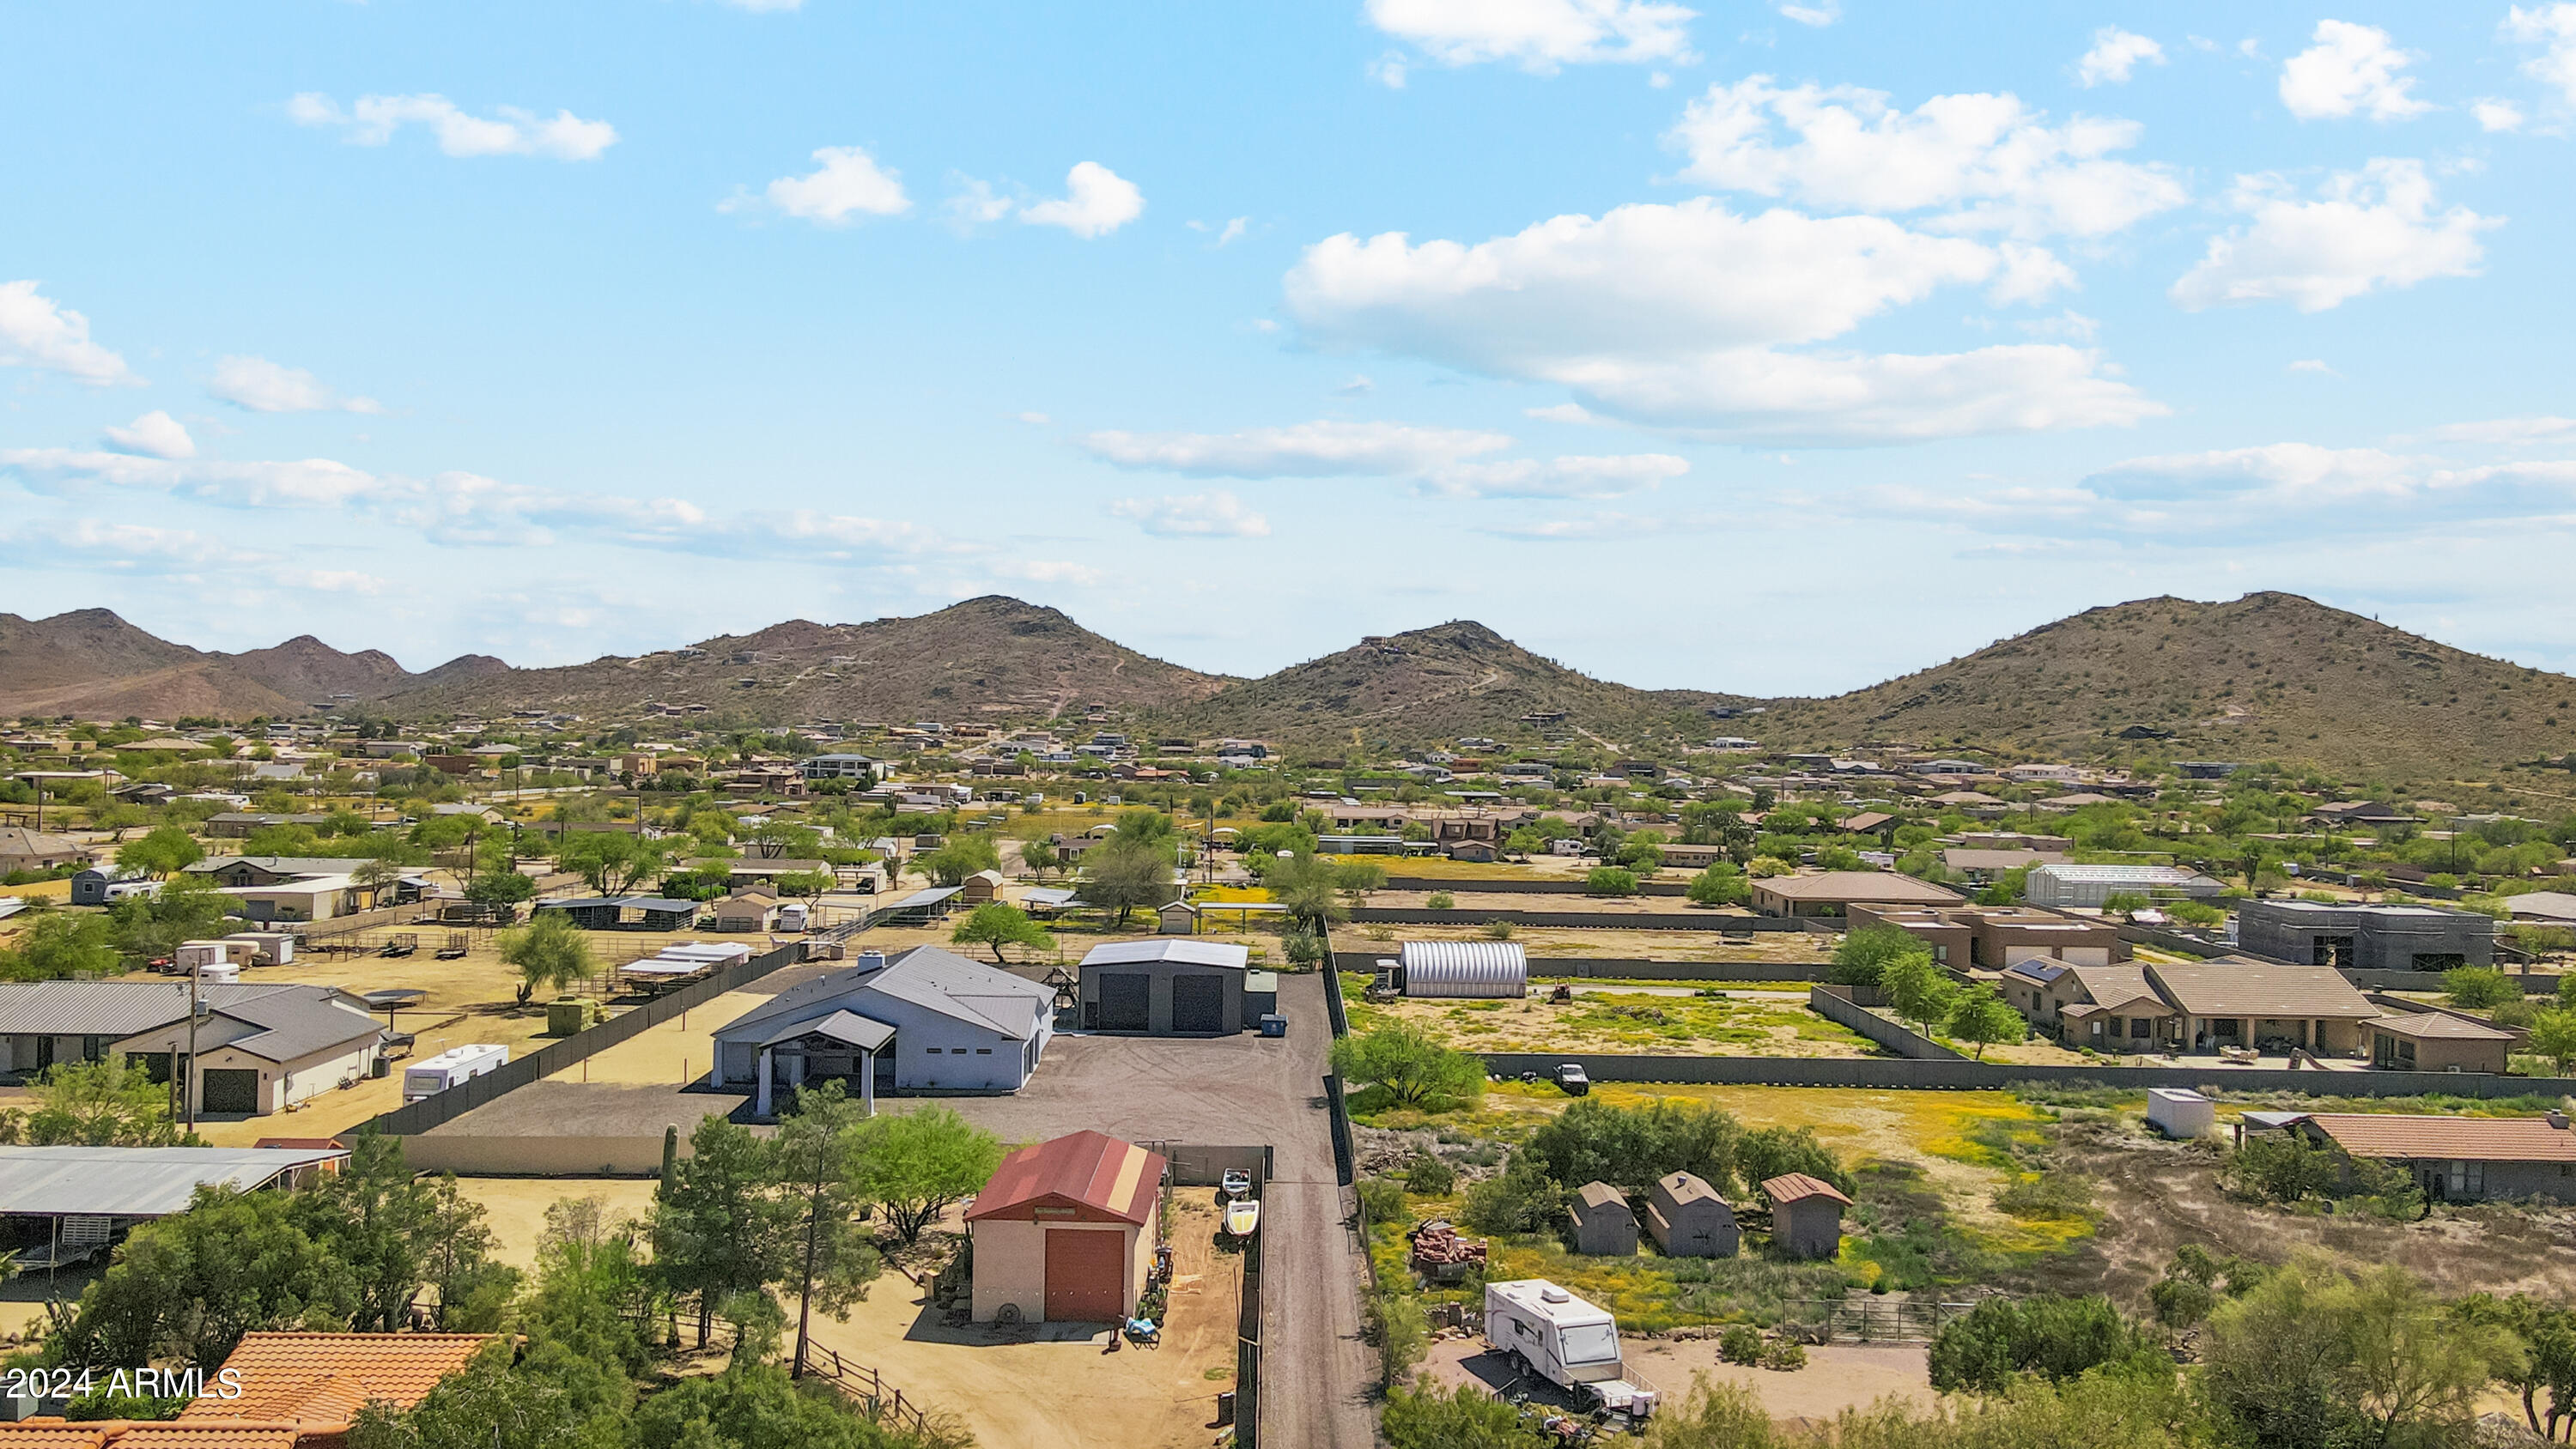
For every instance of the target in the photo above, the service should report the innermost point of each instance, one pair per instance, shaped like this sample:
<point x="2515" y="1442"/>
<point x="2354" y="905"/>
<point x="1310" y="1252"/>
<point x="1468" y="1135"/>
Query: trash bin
<point x="1273" y="1024"/>
<point x="1224" y="1407"/>
<point x="384" y="1067"/>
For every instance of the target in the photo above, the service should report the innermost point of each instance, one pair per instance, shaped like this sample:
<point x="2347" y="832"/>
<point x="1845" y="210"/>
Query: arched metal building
<point x="1465" y="968"/>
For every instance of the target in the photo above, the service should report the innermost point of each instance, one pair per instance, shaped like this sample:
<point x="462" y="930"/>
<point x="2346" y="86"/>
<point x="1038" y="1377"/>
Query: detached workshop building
<point x="1167" y="987"/>
<point x="1064" y="1232"/>
<point x="2361" y="937"/>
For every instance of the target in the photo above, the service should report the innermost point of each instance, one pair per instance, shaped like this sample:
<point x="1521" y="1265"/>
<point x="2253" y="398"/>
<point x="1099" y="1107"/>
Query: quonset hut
<point x="1465" y="969"/>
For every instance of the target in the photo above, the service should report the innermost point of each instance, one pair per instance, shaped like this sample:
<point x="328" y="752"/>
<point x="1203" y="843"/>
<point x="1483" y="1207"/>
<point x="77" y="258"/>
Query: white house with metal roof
<point x="926" y="1020"/>
<point x="258" y="1048"/>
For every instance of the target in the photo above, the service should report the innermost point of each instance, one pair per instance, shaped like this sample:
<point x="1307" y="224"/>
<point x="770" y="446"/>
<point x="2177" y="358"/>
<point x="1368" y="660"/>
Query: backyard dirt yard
<point x="1542" y="942"/>
<point x="515" y="1207"/>
<point x="1612" y="1023"/>
<point x="1056" y="1384"/>
<point x="1838" y="1376"/>
<point x="2154" y="1196"/>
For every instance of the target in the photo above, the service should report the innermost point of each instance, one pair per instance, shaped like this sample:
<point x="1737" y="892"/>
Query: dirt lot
<point x="1837" y="1376"/>
<point x="1607" y="940"/>
<point x="515" y="1207"/>
<point x="1057" y="1384"/>
<point x="2155" y="1196"/>
<point x="1611" y="1022"/>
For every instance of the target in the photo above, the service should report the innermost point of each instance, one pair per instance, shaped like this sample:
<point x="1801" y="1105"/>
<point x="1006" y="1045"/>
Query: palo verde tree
<point x="997" y="925"/>
<point x="914" y="1164"/>
<point x="1414" y="1068"/>
<point x="549" y="951"/>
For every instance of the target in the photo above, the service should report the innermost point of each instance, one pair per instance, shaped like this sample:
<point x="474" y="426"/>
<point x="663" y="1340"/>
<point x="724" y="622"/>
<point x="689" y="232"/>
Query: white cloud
<point x="312" y="482"/>
<point x="1589" y="529"/>
<point x="974" y="204"/>
<point x="97" y="542"/>
<point x="2553" y="28"/>
<point x="1984" y="162"/>
<point x="2509" y="432"/>
<point x="2067" y="326"/>
<point x="766" y="7"/>
<point x="1563" y="477"/>
<point x="2313" y="364"/>
<point x="1049" y="571"/>
<point x="1097" y="201"/>
<point x="1358" y="386"/>
<point x="1213" y="514"/>
<point x="1226" y="235"/>
<point x="2350" y="68"/>
<point x="1305" y="450"/>
<point x="332" y="581"/>
<point x="845" y="182"/>
<point x="156" y="434"/>
<point x="1824" y="13"/>
<point x="1537" y="35"/>
<point x="267" y="387"/>
<point x="1035" y="419"/>
<point x="2494" y="116"/>
<point x="2114" y="55"/>
<point x="2368" y="229"/>
<point x="38" y="332"/>
<point x="1675" y="316"/>
<point x="373" y="120"/>
<point x="1561" y="413"/>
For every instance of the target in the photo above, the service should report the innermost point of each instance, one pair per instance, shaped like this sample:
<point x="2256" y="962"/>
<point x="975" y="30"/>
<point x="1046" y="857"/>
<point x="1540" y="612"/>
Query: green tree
<point x="1720" y="885"/>
<point x="1981" y="1016"/>
<point x="959" y="857"/>
<point x="167" y="850"/>
<point x="1610" y="880"/>
<point x="1630" y="1147"/>
<point x="1305" y="884"/>
<point x="500" y="888"/>
<point x="186" y="908"/>
<point x="189" y="1285"/>
<point x="1041" y="857"/>
<point x="1356" y="879"/>
<point x="2321" y="1353"/>
<point x="1769" y="1152"/>
<point x="611" y="862"/>
<point x="1522" y="1198"/>
<point x="2553" y="1035"/>
<point x="2124" y="903"/>
<point x="2056" y="1338"/>
<point x="376" y="1217"/>
<point x="60" y="946"/>
<point x="457" y="1263"/>
<point x="1120" y="876"/>
<point x="1917" y="990"/>
<point x="2474" y="988"/>
<point x="549" y="951"/>
<point x="716" y="1227"/>
<point x="93" y="1104"/>
<point x="997" y="925"/>
<point x="821" y="1167"/>
<point x="915" y="1164"/>
<point x="1864" y="955"/>
<point x="1414" y="1068"/>
<point x="2281" y="1167"/>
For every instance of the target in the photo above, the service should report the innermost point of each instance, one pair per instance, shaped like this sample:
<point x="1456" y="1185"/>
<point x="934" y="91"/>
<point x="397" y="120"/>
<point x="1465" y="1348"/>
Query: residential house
<point x="2440" y="1041"/>
<point x="35" y="850"/>
<point x="2233" y="1002"/>
<point x="925" y="1019"/>
<point x="1834" y="892"/>
<point x="1994" y="937"/>
<point x="2108" y="1008"/>
<point x="259" y="1048"/>
<point x="2363" y="937"/>
<point x="2459" y="1159"/>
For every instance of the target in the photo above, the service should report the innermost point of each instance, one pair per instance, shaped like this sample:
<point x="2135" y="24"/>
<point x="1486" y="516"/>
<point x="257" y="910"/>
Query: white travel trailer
<point x="448" y="1068"/>
<point x="1551" y="1333"/>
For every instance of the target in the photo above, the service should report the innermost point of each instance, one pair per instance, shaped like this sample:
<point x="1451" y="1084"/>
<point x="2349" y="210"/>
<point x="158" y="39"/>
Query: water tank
<point x="1485" y="969"/>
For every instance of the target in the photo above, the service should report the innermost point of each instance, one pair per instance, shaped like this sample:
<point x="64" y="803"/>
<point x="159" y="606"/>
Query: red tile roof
<point x="2466" y="1139"/>
<point x="1798" y="1187"/>
<point x="325" y="1378"/>
<point x="134" y="1434"/>
<point x="1095" y="1175"/>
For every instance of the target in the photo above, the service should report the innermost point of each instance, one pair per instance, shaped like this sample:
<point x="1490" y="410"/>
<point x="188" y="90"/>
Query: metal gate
<point x="231" y="1089"/>
<point x="1085" y="1275"/>
<point x="1126" y="1001"/>
<point x="1198" y="1002"/>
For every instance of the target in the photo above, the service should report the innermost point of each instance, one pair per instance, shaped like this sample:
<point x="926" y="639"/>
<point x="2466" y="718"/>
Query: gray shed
<point x="1465" y="968"/>
<point x="1167" y="987"/>
<point x="1689" y="1220"/>
<point x="1806" y="1215"/>
<point x="1603" y="1225"/>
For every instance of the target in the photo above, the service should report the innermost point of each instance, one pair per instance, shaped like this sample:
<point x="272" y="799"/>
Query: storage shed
<point x="1604" y="1227"/>
<point x="1169" y="987"/>
<point x="2180" y="1112"/>
<point x="1806" y="1215"/>
<point x="1064" y="1232"/>
<point x="1486" y="969"/>
<point x="1689" y="1220"/>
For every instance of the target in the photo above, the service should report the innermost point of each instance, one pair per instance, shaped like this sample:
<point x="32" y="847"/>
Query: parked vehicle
<point x="450" y="1067"/>
<point x="1235" y="1183"/>
<point x="791" y="918"/>
<point x="1570" y="1076"/>
<point x="1553" y="1335"/>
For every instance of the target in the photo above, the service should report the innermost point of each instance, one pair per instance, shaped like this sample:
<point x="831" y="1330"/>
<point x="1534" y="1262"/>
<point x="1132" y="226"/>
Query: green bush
<point x="1382" y="1199"/>
<point x="2474" y="988"/>
<point x="1441" y="901"/>
<point x="1523" y="1199"/>
<point x="2056" y="1338"/>
<point x="1784" y="1357"/>
<point x="2280" y="1167"/>
<point x="1428" y="1176"/>
<point x="1610" y="880"/>
<point x="1739" y="1344"/>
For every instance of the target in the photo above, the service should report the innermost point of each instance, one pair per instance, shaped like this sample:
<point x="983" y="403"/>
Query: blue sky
<point x="1776" y="348"/>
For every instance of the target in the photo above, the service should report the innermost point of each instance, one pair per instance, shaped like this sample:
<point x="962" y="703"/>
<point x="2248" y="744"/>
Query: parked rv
<point x="450" y="1067"/>
<point x="1551" y="1334"/>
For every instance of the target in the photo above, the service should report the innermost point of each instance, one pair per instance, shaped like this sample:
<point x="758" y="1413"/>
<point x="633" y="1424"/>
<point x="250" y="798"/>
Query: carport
<point x="1165" y="987"/>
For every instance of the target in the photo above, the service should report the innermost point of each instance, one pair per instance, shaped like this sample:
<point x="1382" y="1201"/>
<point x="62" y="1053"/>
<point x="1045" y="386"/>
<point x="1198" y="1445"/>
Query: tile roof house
<point x="295" y="1391"/>
<point x="2439" y="1041"/>
<point x="2460" y="1159"/>
<point x="2231" y="1002"/>
<point x="1829" y="893"/>
<point x="24" y="849"/>
<point x="2108" y="1008"/>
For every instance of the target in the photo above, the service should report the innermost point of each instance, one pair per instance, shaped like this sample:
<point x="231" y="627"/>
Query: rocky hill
<point x="1437" y="684"/>
<point x="989" y="658"/>
<point x="2267" y="676"/>
<point x="92" y="663"/>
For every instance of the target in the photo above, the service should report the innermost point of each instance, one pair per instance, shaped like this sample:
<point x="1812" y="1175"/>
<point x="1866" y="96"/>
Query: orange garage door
<point x="1086" y="1274"/>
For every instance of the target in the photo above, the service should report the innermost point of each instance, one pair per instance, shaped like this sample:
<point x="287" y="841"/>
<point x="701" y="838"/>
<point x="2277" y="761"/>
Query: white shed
<point x="2180" y="1112"/>
<point x="1465" y="968"/>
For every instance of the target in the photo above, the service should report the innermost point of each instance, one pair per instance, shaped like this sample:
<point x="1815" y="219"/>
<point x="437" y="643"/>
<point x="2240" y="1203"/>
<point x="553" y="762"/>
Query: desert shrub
<point x="1382" y="1198"/>
<point x="2058" y="1194"/>
<point x="1784" y="1357"/>
<point x="2056" y="1338"/>
<point x="1441" y="901"/>
<point x="1430" y="1177"/>
<point x="2474" y="988"/>
<point x="1523" y="1199"/>
<point x="1739" y="1344"/>
<point x="2280" y="1167"/>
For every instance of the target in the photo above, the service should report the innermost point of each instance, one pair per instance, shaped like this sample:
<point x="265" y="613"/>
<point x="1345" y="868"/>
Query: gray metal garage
<point x="1166" y="987"/>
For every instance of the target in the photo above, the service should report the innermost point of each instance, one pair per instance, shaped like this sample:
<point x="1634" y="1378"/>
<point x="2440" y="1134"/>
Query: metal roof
<point x="921" y="898"/>
<point x="841" y="1026"/>
<point x="925" y="976"/>
<point x="135" y="1182"/>
<point x="1083" y="1170"/>
<point x="1798" y="1187"/>
<point x="2120" y="874"/>
<point x="1183" y="950"/>
<point x="108" y="1008"/>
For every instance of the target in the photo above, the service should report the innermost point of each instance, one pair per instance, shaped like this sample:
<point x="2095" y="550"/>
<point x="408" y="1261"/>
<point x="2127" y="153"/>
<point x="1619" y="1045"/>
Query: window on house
<point x="2139" y="1027"/>
<point x="2467" y="1180"/>
<point x="983" y="1051"/>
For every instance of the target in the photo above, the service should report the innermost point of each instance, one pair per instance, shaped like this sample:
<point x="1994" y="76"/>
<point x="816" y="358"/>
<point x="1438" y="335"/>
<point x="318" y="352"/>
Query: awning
<point x="840" y="1026"/>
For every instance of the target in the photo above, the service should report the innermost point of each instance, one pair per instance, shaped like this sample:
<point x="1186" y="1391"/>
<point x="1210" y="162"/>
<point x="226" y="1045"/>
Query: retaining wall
<point x="538" y="1156"/>
<point x="1598" y="920"/>
<point x="1835" y="1004"/>
<point x="1963" y="1075"/>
